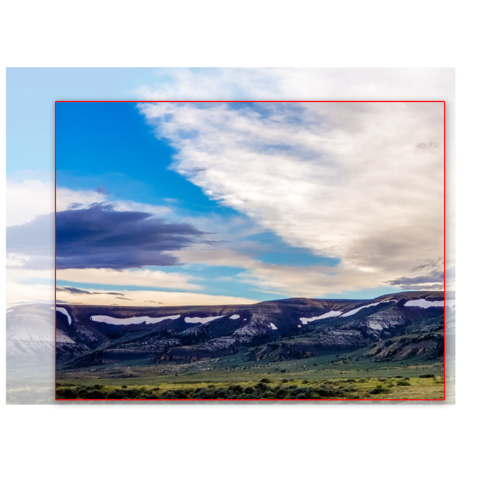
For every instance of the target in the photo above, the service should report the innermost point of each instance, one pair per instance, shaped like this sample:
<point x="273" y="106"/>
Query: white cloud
<point x="16" y="260"/>
<point x="213" y="256"/>
<point x="216" y="83"/>
<point x="147" y="297"/>
<point x="29" y="198"/>
<point x="21" y="290"/>
<point x="310" y="281"/>
<point x="129" y="277"/>
<point x="127" y="205"/>
<point x="349" y="207"/>
<point x="345" y="180"/>
<point x="20" y="286"/>
<point x="303" y="281"/>
<point x="320" y="84"/>
<point x="303" y="84"/>
<point x="19" y="293"/>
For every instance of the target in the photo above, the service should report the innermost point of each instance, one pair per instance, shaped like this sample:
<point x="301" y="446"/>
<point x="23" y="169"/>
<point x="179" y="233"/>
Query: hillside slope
<point x="93" y="336"/>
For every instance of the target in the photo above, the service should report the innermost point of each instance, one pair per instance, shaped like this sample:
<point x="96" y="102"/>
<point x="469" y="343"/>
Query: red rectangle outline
<point x="241" y="400"/>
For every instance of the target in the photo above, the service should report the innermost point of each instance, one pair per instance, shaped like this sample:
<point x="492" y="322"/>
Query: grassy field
<point x="426" y="386"/>
<point x="234" y="377"/>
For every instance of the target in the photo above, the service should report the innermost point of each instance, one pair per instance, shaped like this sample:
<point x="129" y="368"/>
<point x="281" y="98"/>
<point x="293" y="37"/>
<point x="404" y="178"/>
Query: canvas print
<point x="250" y="250"/>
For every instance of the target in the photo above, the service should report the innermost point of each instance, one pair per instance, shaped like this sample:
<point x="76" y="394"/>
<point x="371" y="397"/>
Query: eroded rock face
<point x="323" y="342"/>
<point x="380" y="321"/>
<point x="189" y="354"/>
<point x="258" y="326"/>
<point x="334" y="338"/>
<point x="426" y="346"/>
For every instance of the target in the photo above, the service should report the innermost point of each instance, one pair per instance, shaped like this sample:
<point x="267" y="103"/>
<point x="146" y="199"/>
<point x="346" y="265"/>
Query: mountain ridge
<point x="293" y="328"/>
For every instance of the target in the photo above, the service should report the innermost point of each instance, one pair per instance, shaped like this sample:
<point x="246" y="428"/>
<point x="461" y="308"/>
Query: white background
<point x="470" y="426"/>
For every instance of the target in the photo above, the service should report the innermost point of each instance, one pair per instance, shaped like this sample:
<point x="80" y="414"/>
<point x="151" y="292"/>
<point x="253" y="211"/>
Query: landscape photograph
<point x="264" y="251"/>
<point x="232" y="237"/>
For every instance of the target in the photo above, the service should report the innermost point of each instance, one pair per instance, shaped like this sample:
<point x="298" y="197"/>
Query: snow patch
<point x="201" y="320"/>
<point x="423" y="303"/>
<point x="134" y="320"/>
<point x="300" y="326"/>
<point x="330" y="314"/>
<point x="273" y="326"/>
<point x="235" y="316"/>
<point x="62" y="310"/>
<point x="354" y="311"/>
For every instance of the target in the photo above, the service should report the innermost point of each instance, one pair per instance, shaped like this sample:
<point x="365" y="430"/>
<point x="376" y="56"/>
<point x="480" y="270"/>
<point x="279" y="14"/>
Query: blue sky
<point x="31" y="93"/>
<point x="255" y="201"/>
<point x="109" y="145"/>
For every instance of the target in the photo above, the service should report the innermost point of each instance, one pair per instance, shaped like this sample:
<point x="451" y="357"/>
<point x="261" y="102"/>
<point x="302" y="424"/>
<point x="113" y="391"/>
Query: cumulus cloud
<point x="344" y="180"/>
<point x="101" y="237"/>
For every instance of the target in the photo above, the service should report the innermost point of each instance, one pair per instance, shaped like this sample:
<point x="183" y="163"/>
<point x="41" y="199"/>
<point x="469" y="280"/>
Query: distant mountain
<point x="275" y="330"/>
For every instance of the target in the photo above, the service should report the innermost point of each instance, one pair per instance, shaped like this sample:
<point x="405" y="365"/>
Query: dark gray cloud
<point x="101" y="237"/>
<point x="80" y="291"/>
<point x="436" y="279"/>
<point x="73" y="290"/>
<point x="421" y="286"/>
